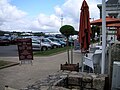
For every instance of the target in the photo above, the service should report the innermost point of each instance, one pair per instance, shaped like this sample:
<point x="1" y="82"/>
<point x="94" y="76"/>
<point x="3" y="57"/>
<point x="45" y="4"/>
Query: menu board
<point x="25" y="49"/>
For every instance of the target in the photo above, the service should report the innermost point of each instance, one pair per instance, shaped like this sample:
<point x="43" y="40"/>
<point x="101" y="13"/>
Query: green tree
<point x="39" y="34"/>
<point x="67" y="30"/>
<point x="95" y="29"/>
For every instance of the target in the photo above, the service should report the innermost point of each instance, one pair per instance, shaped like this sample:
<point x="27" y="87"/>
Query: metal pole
<point x="61" y="20"/>
<point x="103" y="36"/>
<point x="110" y="66"/>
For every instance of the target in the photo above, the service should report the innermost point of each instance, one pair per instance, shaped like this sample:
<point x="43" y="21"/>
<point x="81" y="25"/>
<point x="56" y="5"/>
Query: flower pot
<point x="70" y="67"/>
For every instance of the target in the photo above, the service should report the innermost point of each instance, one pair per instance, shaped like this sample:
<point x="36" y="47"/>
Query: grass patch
<point x="50" y="52"/>
<point x="4" y="63"/>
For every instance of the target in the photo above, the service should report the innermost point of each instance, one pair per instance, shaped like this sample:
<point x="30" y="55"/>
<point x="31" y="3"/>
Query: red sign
<point x="25" y="49"/>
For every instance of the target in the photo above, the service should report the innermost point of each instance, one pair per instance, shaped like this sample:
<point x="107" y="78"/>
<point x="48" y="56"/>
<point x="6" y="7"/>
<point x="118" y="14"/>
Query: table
<point x="98" y="52"/>
<point x="100" y="47"/>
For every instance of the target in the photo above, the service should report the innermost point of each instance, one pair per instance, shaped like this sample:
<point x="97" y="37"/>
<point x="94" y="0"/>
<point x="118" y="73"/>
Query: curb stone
<point x="9" y="65"/>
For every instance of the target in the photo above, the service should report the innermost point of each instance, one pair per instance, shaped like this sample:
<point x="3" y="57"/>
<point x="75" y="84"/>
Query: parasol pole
<point x="103" y="36"/>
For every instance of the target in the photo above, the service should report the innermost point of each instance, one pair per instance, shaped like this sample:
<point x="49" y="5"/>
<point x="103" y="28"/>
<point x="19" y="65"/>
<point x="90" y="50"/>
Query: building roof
<point x="112" y="1"/>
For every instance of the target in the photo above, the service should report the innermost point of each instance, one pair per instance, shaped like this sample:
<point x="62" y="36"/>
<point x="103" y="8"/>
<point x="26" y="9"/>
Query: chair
<point x="93" y="61"/>
<point x="97" y="62"/>
<point x="89" y="62"/>
<point x="93" y="49"/>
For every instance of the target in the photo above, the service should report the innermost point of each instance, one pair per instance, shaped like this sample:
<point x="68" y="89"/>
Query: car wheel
<point x="54" y="46"/>
<point x="44" y="48"/>
<point x="62" y="45"/>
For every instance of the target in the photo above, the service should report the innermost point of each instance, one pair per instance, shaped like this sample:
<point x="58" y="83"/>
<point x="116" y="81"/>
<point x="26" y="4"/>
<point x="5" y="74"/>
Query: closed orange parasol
<point x="84" y="27"/>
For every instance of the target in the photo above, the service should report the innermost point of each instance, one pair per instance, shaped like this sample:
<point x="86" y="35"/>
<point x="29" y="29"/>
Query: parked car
<point x="53" y="44"/>
<point x="63" y="44"/>
<point x="4" y="40"/>
<point x="14" y="39"/>
<point x="71" y="42"/>
<point x="38" y="45"/>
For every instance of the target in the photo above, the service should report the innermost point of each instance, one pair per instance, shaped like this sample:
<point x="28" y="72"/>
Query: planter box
<point x="70" y="67"/>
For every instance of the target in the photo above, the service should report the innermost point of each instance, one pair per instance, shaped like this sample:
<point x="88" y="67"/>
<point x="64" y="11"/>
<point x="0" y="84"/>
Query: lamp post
<point x="61" y="20"/>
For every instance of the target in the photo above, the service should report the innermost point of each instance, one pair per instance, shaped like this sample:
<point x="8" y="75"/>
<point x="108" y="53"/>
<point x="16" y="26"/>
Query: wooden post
<point x="68" y="51"/>
<point x="71" y="54"/>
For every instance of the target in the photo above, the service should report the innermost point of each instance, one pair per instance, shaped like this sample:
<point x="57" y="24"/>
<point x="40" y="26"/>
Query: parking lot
<point x="8" y="51"/>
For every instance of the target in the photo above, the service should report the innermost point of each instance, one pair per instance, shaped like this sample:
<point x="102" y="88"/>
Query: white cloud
<point x="72" y="8"/>
<point x="44" y="23"/>
<point x="12" y="17"/>
<point x="10" y="12"/>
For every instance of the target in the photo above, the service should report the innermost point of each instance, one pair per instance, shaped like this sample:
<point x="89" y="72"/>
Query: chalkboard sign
<point x="25" y="49"/>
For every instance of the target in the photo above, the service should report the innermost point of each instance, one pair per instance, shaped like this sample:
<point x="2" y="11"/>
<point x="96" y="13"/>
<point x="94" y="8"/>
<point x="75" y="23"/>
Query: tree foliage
<point x="3" y="32"/>
<point x="67" y="30"/>
<point x="39" y="34"/>
<point x="95" y="29"/>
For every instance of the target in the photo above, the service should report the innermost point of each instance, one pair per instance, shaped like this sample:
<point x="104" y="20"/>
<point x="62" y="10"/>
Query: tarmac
<point x="20" y="76"/>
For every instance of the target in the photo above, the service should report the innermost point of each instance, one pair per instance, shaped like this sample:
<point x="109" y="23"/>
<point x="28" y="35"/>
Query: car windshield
<point x="54" y="39"/>
<point x="35" y="41"/>
<point x="45" y="40"/>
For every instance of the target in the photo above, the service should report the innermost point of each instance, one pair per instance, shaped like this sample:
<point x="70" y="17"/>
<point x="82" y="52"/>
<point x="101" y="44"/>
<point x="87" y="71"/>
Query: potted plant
<point x="68" y="30"/>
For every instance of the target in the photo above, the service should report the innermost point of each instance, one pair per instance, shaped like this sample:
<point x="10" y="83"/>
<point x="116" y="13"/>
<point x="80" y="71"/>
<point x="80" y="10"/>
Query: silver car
<point x="38" y="45"/>
<point x="53" y="44"/>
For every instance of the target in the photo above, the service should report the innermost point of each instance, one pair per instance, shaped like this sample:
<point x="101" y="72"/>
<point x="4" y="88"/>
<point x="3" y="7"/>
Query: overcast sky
<point x="42" y="15"/>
